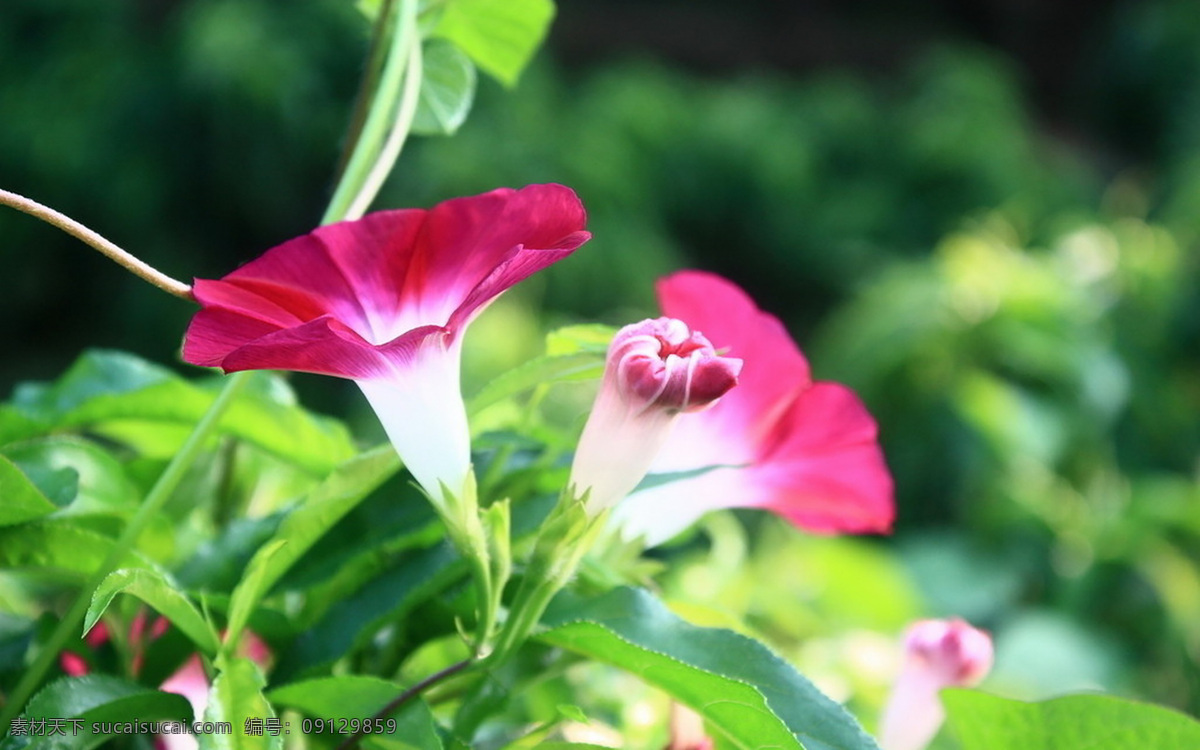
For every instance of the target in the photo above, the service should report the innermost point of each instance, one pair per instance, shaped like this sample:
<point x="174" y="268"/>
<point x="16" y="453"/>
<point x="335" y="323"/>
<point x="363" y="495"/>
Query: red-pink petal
<point x="774" y="368"/>
<point x="466" y="242"/>
<point x="355" y="299"/>
<point x="823" y="469"/>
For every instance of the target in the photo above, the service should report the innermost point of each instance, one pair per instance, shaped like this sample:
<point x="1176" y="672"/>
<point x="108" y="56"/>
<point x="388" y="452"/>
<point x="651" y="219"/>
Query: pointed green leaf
<point x="357" y="696"/>
<point x="22" y="500"/>
<point x="250" y="590"/>
<point x="1072" y="722"/>
<point x="535" y="372"/>
<point x="77" y="474"/>
<point x="95" y="702"/>
<point x="235" y="696"/>
<point x="584" y="337"/>
<point x="58" y="546"/>
<point x="737" y="684"/>
<point x="114" y="393"/>
<point x="161" y="593"/>
<point x="384" y="598"/>
<point x="447" y="89"/>
<point x="347" y="486"/>
<point x="499" y="35"/>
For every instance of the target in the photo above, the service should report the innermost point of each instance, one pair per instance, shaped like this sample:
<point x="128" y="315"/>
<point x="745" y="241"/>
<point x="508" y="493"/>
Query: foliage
<point x="1020" y="318"/>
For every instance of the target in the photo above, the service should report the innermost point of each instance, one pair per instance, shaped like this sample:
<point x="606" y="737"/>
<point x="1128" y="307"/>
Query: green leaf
<point x="408" y="581"/>
<point x="354" y="696"/>
<point x="22" y="500"/>
<point x="235" y="696"/>
<point x="447" y="89"/>
<point x="218" y="564"/>
<point x="77" y="474"/>
<point x="111" y="393"/>
<point x="161" y="593"/>
<point x="535" y="372"/>
<point x="60" y="547"/>
<point x="325" y="506"/>
<point x="250" y="590"/>
<point x="499" y="35"/>
<point x="737" y="684"/>
<point x="1072" y="722"/>
<point x="585" y="337"/>
<point x="95" y="701"/>
<point x="16" y="426"/>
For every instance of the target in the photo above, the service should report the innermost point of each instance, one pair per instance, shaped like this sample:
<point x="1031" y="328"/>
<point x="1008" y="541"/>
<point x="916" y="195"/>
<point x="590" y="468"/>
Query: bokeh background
<point x="982" y="214"/>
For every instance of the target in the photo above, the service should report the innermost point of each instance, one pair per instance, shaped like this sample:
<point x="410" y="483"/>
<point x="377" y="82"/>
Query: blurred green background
<point x="984" y="215"/>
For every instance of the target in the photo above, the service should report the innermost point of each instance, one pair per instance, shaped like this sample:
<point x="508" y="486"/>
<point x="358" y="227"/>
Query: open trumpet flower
<point x="384" y="301"/>
<point x="806" y="451"/>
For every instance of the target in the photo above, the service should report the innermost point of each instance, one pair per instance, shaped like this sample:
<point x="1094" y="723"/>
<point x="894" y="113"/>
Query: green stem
<point x="162" y="490"/>
<point x="399" y="134"/>
<point x="376" y="58"/>
<point x="381" y="119"/>
<point x="409" y="694"/>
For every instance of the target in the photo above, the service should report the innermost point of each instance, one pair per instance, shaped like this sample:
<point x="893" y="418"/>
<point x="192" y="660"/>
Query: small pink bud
<point x="958" y="653"/>
<point x="661" y="364"/>
<point x="72" y="664"/>
<point x="938" y="654"/>
<point x="655" y="371"/>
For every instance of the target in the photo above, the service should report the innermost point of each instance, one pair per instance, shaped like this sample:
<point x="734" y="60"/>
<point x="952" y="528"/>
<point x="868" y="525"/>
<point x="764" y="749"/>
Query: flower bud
<point x="655" y="371"/>
<point x="938" y="654"/>
<point x="958" y="654"/>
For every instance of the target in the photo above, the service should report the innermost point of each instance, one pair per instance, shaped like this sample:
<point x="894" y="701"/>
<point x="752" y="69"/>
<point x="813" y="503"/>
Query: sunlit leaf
<point x="161" y="593"/>
<point x="235" y="697"/>
<point x="737" y="684"/>
<point x="585" y="337"/>
<point x="58" y="546"/>
<point x="1073" y="722"/>
<point x="78" y="474"/>
<point x="500" y="36"/>
<point x="535" y="372"/>
<point x="22" y="499"/>
<point x="105" y="389"/>
<point x="447" y="89"/>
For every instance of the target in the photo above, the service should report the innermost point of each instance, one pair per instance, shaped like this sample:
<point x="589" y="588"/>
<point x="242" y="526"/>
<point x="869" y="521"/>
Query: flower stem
<point x="396" y="138"/>
<point x="376" y="57"/>
<point x="162" y="490"/>
<point x="405" y="697"/>
<point x="382" y="119"/>
<point x="137" y="267"/>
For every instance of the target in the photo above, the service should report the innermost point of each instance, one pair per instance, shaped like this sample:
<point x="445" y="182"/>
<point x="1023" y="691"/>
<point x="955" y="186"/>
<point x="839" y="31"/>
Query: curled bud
<point x="938" y="654"/>
<point x="655" y="371"/>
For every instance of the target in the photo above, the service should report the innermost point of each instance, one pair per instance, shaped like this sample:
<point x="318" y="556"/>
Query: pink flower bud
<point x="938" y="654"/>
<point x="687" y="730"/>
<point x="656" y="370"/>
<point x="958" y="653"/>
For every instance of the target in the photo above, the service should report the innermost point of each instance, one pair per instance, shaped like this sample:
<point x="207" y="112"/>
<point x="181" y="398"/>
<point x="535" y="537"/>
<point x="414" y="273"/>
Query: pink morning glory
<point x="384" y="301"/>
<point x="655" y="372"/>
<point x="806" y="451"/>
<point x="938" y="654"/>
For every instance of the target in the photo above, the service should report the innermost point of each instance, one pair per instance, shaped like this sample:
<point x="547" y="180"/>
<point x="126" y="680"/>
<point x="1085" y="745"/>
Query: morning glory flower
<point x="655" y="371"/>
<point x="937" y="654"/>
<point x="806" y="451"/>
<point x="384" y="301"/>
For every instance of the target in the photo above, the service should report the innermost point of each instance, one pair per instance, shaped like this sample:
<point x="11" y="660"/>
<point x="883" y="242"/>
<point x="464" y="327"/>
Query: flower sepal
<point x="565" y="537"/>
<point x="483" y="538"/>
